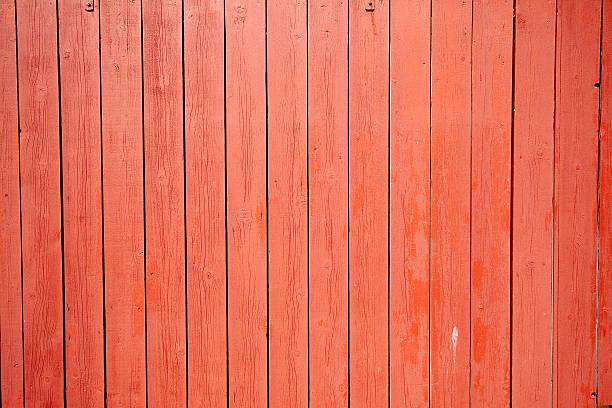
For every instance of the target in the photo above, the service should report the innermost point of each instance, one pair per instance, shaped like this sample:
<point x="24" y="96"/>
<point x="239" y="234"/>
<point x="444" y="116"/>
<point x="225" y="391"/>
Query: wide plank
<point x="43" y="307"/>
<point x="122" y="178"/>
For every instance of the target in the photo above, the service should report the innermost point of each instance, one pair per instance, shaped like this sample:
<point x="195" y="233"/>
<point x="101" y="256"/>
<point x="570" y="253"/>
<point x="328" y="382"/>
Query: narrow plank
<point x="490" y="210"/>
<point x="205" y="195"/>
<point x="41" y="203"/>
<point x="164" y="203"/>
<point x="287" y="186"/>
<point x="604" y="362"/>
<point x="410" y="203"/>
<point x="328" y="200"/>
<point x="576" y="140"/>
<point x="450" y="197"/>
<point x="534" y="90"/>
<point x="80" y="105"/>
<point x="122" y="143"/>
<point x="11" y="340"/>
<point x="246" y="202"/>
<point x="368" y="203"/>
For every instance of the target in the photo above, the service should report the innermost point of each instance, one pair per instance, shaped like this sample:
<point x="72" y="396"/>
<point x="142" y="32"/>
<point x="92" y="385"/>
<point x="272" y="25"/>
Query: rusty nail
<point x="89" y="6"/>
<point x="370" y="5"/>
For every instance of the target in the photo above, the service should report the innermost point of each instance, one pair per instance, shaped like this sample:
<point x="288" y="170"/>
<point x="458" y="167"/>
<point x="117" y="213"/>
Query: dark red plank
<point x="164" y="200"/>
<point x="41" y="203"/>
<point x="246" y="202"/>
<point x="576" y="140"/>
<point x="11" y="340"/>
<point x="328" y="198"/>
<point x="490" y="219"/>
<point x="288" y="280"/>
<point x="533" y="153"/>
<point x="368" y="203"/>
<point x="604" y="361"/>
<point x="121" y="82"/>
<point x="205" y="195"/>
<point x="410" y="203"/>
<point x="80" y="104"/>
<point x="450" y="218"/>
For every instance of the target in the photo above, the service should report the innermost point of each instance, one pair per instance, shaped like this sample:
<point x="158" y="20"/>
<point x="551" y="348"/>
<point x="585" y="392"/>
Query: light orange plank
<point x="246" y="202"/>
<point x="450" y="218"/>
<point x="164" y="201"/>
<point x="410" y="203"/>
<point x="122" y="143"/>
<point x="368" y="203"/>
<point x="205" y="195"/>
<point x="576" y="140"/>
<point x="288" y="280"/>
<point x="533" y="153"/>
<point x="11" y="339"/>
<point x="41" y="203"/>
<point x="82" y="194"/>
<point x="328" y="199"/>
<point x="492" y="48"/>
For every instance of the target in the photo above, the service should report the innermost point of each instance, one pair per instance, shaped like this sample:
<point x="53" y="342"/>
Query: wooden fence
<point x="294" y="203"/>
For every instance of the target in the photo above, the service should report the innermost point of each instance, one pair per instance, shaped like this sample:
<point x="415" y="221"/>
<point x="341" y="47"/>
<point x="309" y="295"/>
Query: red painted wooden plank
<point x="11" y="340"/>
<point x="450" y="218"/>
<point x="490" y="219"/>
<point x="205" y="172"/>
<point x="604" y="362"/>
<point x="368" y="203"/>
<point x="577" y="117"/>
<point x="41" y="203"/>
<point x="123" y="202"/>
<point x="328" y="199"/>
<point x="410" y="202"/>
<point x="288" y="279"/>
<point x="80" y="105"/>
<point x="532" y="203"/>
<point x="164" y="200"/>
<point x="246" y="202"/>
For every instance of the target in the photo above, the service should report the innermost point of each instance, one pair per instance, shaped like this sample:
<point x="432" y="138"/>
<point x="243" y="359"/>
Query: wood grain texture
<point x="576" y="133"/>
<point x="328" y="201"/>
<point x="604" y="361"/>
<point x="450" y="218"/>
<point x="82" y="201"/>
<point x="205" y="195"/>
<point x="11" y="339"/>
<point x="164" y="200"/>
<point x="490" y="209"/>
<point x="41" y="203"/>
<point x="122" y="144"/>
<point x="410" y="203"/>
<point x="534" y="90"/>
<point x="246" y="202"/>
<point x="287" y="200"/>
<point x="368" y="203"/>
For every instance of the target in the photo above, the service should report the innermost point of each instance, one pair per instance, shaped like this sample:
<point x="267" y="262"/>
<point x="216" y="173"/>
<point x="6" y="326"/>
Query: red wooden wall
<point x="289" y="203"/>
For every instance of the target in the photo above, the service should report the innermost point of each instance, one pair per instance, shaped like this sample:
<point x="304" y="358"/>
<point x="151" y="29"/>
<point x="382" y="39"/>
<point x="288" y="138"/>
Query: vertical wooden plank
<point x="604" y="362"/>
<point x="164" y="201"/>
<point x="288" y="279"/>
<point x="205" y="195"/>
<point x="577" y="117"/>
<point x="80" y="104"/>
<point x="246" y="201"/>
<point x="533" y="153"/>
<point x="11" y="340"/>
<point x="123" y="202"/>
<point x="328" y="200"/>
<point x="490" y="220"/>
<point x="41" y="203"/>
<point x="410" y="202"/>
<point x="368" y="202"/>
<point x="450" y="197"/>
